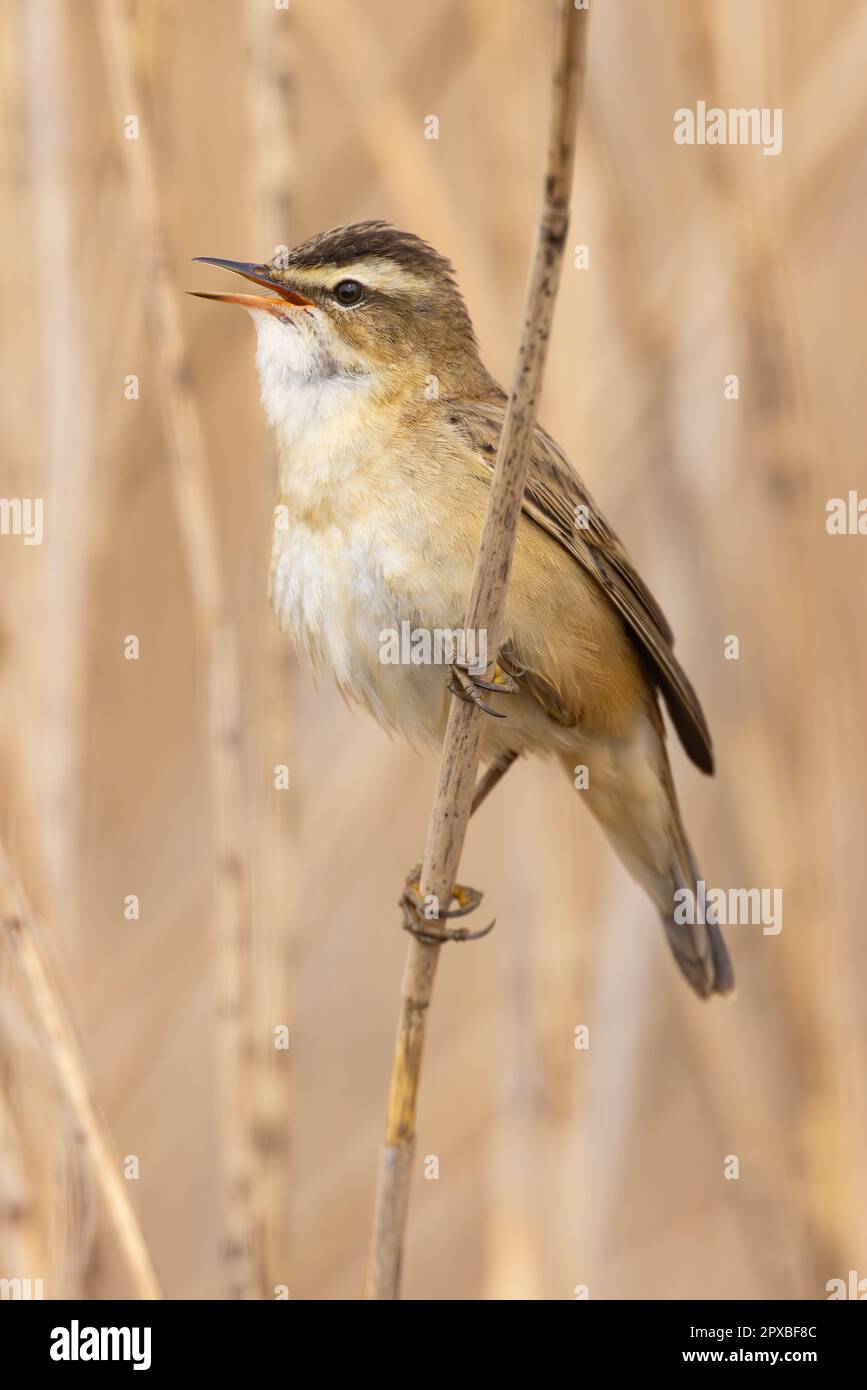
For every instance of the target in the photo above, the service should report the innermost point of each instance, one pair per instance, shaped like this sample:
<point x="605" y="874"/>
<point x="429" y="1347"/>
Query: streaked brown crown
<point x="342" y="245"/>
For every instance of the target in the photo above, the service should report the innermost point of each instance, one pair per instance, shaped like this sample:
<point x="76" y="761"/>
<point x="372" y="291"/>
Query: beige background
<point x="557" y="1167"/>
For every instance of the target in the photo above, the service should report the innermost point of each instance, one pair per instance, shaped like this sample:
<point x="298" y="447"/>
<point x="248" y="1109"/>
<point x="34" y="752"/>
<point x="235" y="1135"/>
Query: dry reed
<point x="195" y="511"/>
<point x="22" y="935"/>
<point x="462" y="741"/>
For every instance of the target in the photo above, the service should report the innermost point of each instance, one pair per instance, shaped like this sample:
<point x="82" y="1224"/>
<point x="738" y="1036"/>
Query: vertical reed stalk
<point x="463" y="736"/>
<point x="270" y="101"/>
<point x="196" y="517"/>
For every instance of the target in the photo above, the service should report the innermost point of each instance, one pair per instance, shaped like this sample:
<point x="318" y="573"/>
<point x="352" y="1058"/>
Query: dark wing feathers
<point x="552" y="497"/>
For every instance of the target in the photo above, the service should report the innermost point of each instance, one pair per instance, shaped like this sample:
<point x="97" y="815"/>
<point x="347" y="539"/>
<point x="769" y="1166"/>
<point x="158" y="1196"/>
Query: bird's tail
<point x="698" y="947"/>
<point x="635" y="803"/>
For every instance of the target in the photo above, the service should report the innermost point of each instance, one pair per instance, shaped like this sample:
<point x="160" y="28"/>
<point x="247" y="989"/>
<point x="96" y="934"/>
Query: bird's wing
<point x="557" y="501"/>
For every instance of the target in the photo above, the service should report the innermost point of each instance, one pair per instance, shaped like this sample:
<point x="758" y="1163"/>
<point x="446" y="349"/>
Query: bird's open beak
<point x="260" y="275"/>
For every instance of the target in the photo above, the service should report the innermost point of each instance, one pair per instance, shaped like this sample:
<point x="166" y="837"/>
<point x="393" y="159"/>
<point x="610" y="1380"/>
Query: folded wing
<point x="556" y="500"/>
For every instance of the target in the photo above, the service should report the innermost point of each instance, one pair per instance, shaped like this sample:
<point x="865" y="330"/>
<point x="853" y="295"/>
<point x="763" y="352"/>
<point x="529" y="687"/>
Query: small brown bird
<point x="387" y="422"/>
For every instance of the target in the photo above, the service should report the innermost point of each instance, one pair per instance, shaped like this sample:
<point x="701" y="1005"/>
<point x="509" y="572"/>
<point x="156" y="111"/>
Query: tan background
<point x="557" y="1167"/>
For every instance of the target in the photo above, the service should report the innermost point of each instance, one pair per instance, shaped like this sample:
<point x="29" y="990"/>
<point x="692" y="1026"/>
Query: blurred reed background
<point x="262" y="908"/>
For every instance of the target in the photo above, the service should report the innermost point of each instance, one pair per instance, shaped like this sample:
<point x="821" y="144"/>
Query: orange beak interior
<point x="260" y="275"/>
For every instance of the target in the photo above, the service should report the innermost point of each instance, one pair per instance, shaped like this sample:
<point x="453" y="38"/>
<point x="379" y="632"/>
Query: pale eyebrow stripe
<point x="378" y="274"/>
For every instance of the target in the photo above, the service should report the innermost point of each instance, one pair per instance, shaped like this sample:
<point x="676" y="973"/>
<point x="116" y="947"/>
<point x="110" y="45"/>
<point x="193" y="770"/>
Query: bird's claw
<point x="415" y="921"/>
<point x="464" y="683"/>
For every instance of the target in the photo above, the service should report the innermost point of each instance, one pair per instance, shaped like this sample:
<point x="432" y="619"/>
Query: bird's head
<point x="364" y="301"/>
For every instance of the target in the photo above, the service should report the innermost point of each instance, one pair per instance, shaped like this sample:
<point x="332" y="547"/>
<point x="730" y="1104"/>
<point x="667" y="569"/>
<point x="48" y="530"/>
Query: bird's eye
<point x="348" y="292"/>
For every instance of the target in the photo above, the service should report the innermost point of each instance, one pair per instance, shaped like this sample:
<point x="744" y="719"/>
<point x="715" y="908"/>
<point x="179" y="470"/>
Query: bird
<point x="387" y="424"/>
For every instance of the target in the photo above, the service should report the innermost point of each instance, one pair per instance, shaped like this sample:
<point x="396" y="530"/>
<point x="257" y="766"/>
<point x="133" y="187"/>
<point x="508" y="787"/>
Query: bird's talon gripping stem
<point x="464" y="683"/>
<point x="414" y="919"/>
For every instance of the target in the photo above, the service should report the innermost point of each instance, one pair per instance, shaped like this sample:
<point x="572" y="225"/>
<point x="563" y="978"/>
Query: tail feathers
<point x="632" y="796"/>
<point x="698" y="947"/>
<point x="662" y="869"/>
<point x="701" y="953"/>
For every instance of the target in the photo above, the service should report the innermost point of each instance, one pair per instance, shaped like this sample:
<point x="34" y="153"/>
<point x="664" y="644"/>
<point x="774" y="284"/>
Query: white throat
<point x="310" y="396"/>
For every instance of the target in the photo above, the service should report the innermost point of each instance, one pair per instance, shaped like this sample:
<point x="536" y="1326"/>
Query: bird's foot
<point x="418" y="913"/>
<point x="467" y="685"/>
